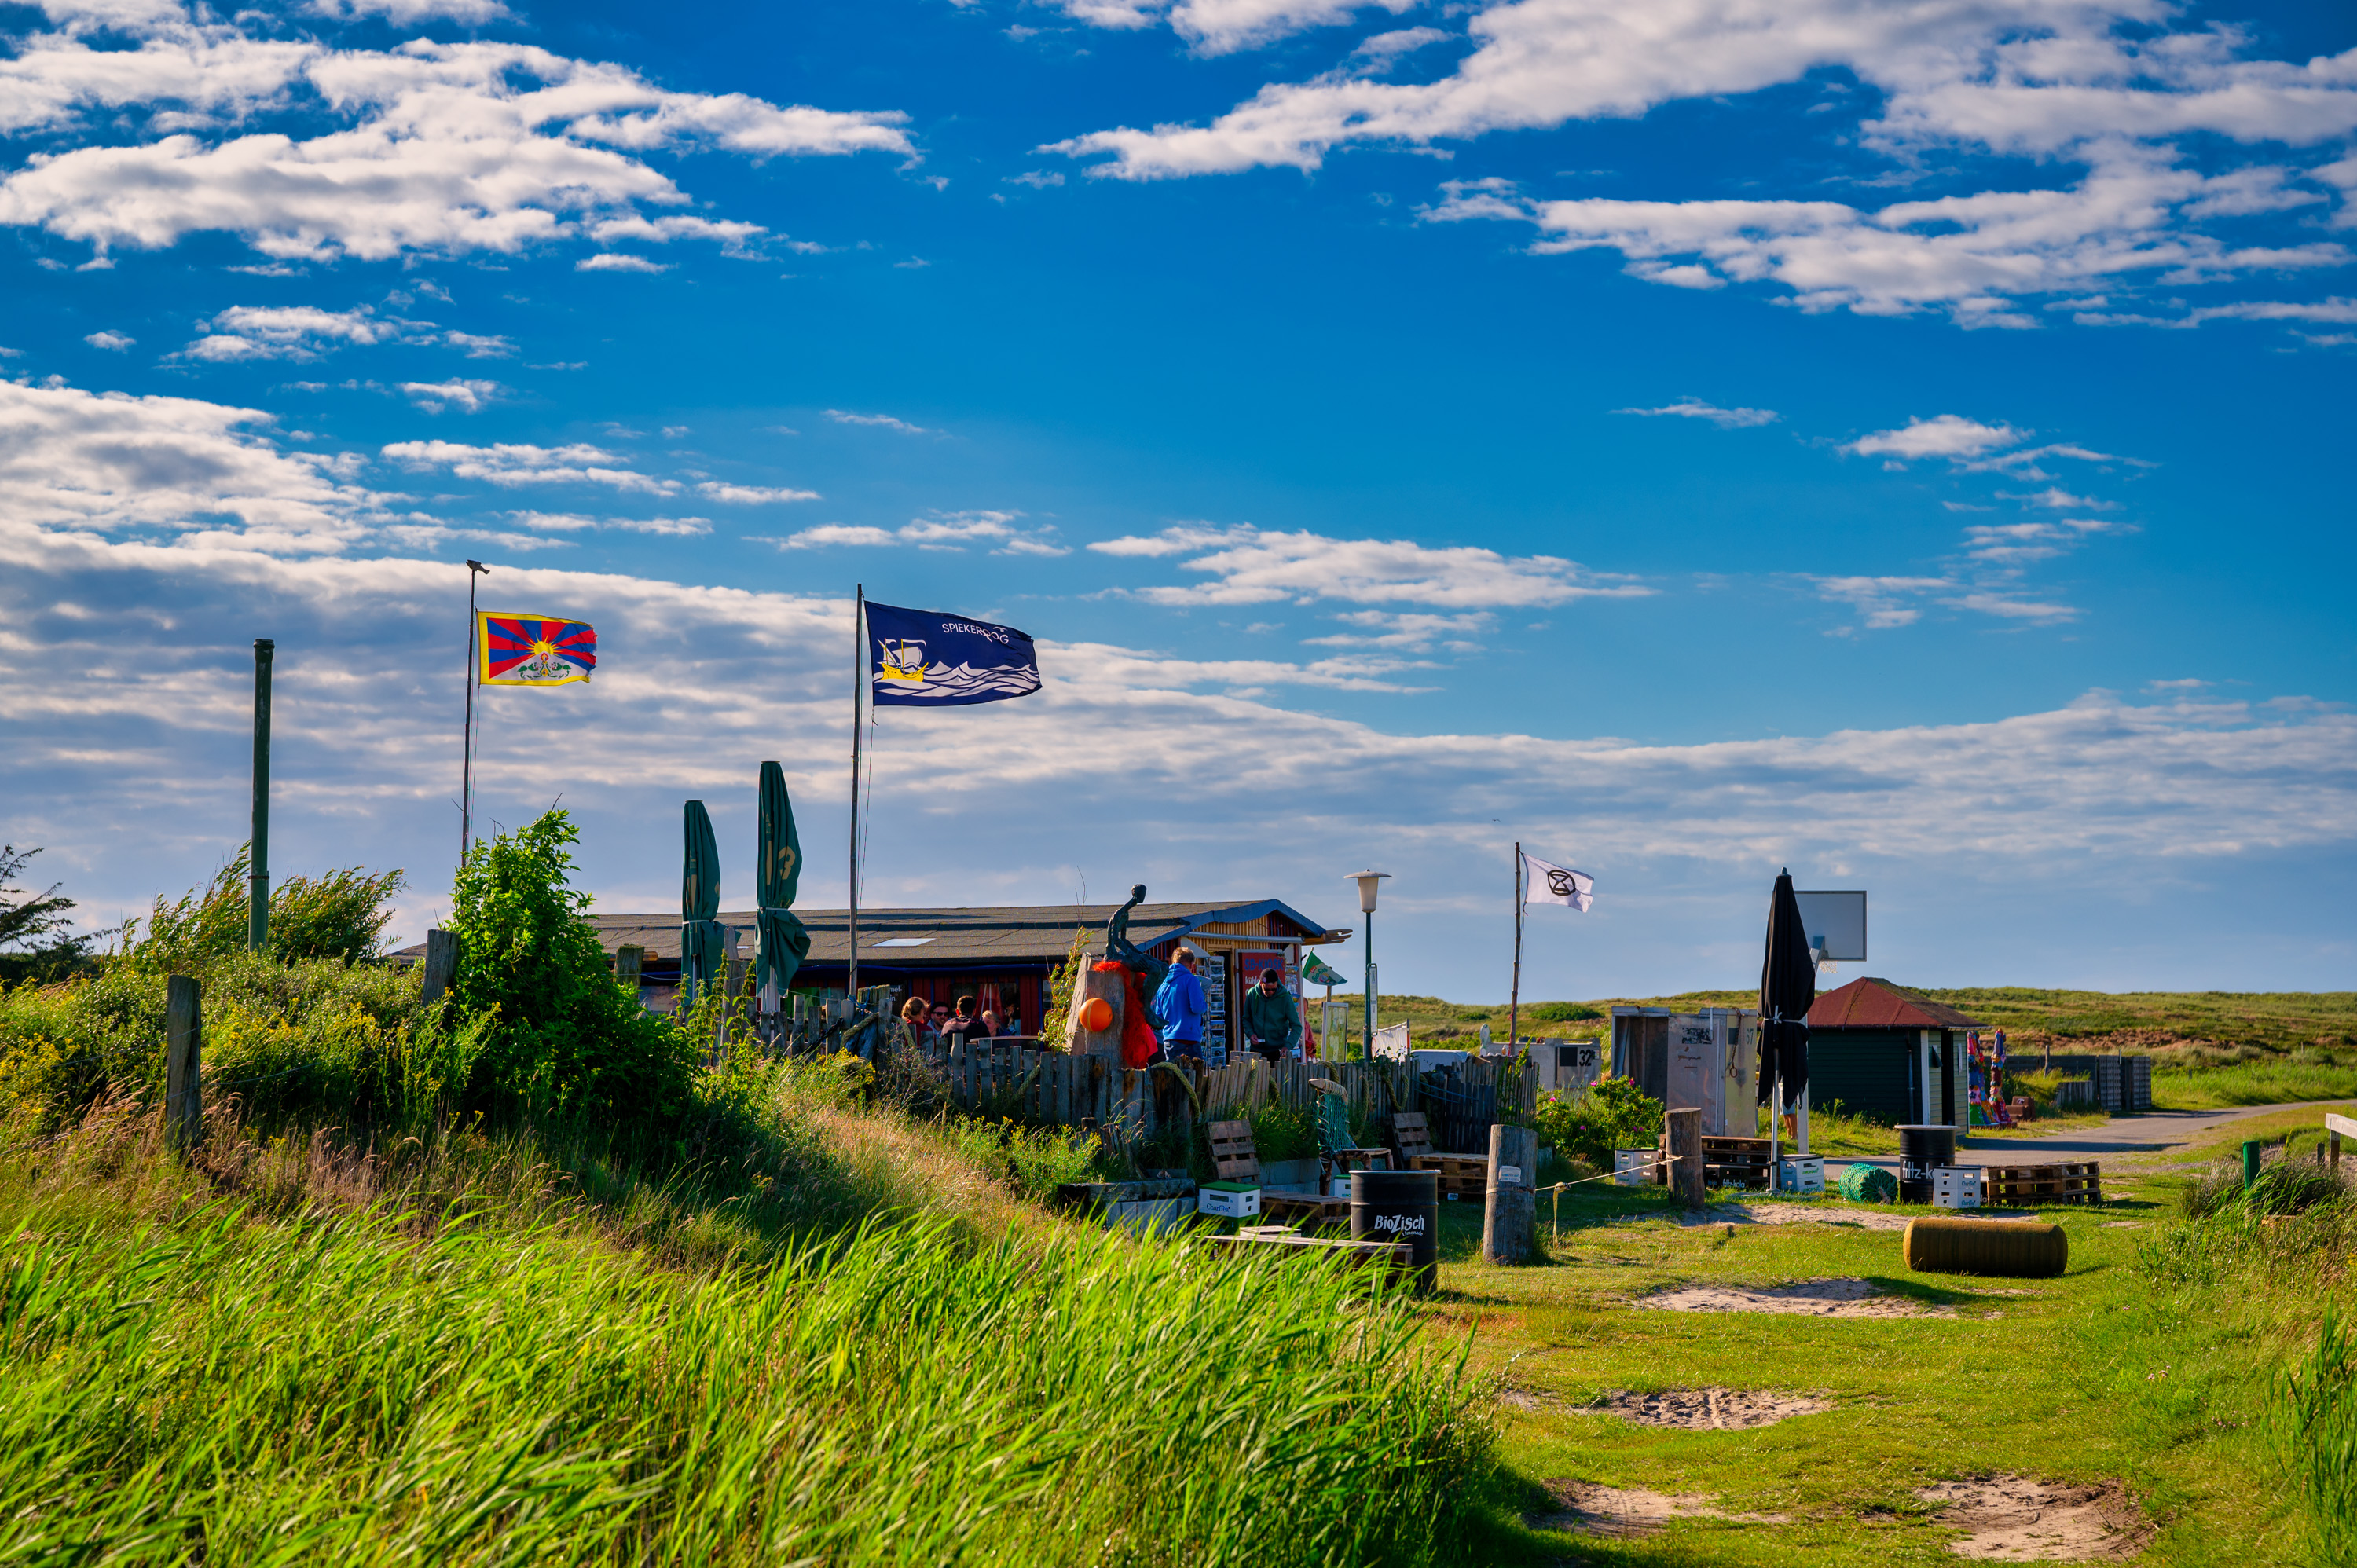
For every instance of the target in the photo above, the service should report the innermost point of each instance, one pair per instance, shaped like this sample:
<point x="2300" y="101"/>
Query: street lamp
<point x="1368" y="883"/>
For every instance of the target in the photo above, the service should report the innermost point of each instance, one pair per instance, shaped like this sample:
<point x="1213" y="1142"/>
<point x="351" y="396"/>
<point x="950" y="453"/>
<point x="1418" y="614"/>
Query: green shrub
<point x="567" y="1039"/>
<point x="1588" y="1126"/>
<point x="1034" y="1161"/>
<point x="342" y="915"/>
<point x="1560" y="1012"/>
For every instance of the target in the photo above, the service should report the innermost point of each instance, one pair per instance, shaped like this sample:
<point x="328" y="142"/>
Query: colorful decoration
<point x="535" y="651"/>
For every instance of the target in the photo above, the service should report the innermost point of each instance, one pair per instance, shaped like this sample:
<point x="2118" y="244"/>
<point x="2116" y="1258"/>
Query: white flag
<point x="1557" y="885"/>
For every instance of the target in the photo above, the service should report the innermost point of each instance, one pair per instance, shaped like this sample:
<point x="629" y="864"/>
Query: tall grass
<point x="338" y="1389"/>
<point x="2251" y="1083"/>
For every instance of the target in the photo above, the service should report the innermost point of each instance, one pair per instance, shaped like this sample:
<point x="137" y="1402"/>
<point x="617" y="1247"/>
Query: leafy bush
<point x="342" y="915"/>
<point x="1034" y="1161"/>
<point x="1588" y="1126"/>
<point x="1560" y="1012"/>
<point x="567" y="1038"/>
<point x="1061" y="986"/>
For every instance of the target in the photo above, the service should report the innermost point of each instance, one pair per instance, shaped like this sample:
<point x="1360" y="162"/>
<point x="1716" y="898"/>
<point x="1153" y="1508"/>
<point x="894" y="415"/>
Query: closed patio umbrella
<point x="703" y="941"/>
<point x="782" y="941"/>
<point x="1788" y="988"/>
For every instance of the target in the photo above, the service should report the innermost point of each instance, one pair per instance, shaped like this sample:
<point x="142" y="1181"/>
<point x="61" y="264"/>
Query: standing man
<point x="1272" y="1018"/>
<point x="1180" y="1002"/>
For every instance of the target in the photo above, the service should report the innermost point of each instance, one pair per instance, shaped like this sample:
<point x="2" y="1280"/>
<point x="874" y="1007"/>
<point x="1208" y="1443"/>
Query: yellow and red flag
<point x="535" y="651"/>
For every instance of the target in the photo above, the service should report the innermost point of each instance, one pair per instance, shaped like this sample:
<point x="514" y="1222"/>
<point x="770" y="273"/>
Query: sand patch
<point x="1711" y="1409"/>
<point x="1621" y="1512"/>
<point x="1811" y="1298"/>
<point x="1771" y="1214"/>
<point x="2014" y="1519"/>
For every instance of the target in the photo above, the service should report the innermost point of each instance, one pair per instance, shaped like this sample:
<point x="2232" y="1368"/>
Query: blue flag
<point x="924" y="658"/>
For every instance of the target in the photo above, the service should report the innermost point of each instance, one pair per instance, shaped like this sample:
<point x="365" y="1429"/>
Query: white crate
<point x="1956" y="1186"/>
<point x="1802" y="1176"/>
<point x="1228" y="1200"/>
<point x="1634" y="1167"/>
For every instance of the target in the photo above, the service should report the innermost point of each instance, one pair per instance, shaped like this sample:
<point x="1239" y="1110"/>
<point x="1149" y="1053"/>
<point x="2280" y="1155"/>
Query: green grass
<point x="2251" y="1083"/>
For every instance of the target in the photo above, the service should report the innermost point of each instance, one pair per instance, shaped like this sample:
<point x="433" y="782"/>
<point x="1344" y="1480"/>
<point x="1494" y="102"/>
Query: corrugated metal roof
<point x="986" y="935"/>
<point x="1870" y="1003"/>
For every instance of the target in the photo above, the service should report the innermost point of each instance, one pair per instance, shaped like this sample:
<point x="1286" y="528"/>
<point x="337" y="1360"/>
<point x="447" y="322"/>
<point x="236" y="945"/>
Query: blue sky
<point x="1907" y="442"/>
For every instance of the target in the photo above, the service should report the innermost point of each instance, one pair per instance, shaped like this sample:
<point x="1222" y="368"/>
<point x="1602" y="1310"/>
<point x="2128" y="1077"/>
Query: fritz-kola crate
<point x="1956" y="1186"/>
<point x="1229" y="1199"/>
<point x="1634" y="1167"/>
<point x="1802" y="1176"/>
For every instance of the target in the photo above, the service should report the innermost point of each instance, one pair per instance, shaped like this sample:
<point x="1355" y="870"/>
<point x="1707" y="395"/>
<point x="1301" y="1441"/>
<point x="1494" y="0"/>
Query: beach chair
<point x="1338" y="1151"/>
<point x="1461" y="1175"/>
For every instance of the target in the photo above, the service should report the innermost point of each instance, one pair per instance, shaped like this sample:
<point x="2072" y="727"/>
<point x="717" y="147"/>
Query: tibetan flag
<point x="535" y="651"/>
<point x="925" y="659"/>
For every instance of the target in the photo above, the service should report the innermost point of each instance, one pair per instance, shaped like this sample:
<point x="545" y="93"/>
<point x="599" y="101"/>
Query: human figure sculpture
<point x="1121" y="949"/>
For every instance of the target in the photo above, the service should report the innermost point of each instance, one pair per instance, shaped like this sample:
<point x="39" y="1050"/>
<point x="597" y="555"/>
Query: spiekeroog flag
<point x="924" y="659"/>
<point x="1557" y="885"/>
<point x="535" y="651"/>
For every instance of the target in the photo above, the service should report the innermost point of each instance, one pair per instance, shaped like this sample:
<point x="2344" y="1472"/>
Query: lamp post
<point x="1369" y="882"/>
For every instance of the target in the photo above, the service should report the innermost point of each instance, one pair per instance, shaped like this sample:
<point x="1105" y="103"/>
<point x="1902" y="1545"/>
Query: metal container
<point x="1401" y="1205"/>
<point x="1922" y="1148"/>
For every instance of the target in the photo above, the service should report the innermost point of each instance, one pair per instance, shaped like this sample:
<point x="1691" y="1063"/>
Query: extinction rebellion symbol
<point x="1560" y="884"/>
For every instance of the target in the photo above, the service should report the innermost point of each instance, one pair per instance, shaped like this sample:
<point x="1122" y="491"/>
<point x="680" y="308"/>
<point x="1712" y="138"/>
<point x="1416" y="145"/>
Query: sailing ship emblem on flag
<point x="930" y="659"/>
<point x="535" y="651"/>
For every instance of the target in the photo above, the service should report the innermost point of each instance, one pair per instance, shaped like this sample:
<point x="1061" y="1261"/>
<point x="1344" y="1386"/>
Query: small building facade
<point x="1883" y="1052"/>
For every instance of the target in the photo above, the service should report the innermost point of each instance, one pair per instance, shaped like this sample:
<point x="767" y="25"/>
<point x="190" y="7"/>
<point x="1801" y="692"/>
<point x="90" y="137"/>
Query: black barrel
<point x="1922" y="1149"/>
<point x="1401" y="1205"/>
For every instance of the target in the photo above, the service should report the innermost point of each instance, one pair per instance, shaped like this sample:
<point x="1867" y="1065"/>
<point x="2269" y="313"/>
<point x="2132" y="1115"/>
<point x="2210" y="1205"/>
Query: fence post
<point x="1684" y="1128"/>
<point x="184" y="1036"/>
<point x="1511" y="1211"/>
<point x="441" y="965"/>
<point x="2250" y="1165"/>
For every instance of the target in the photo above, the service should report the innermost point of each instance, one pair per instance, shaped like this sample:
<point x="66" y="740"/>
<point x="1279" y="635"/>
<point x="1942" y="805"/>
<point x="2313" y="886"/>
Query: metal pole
<point x="1367" y="1047"/>
<point x="1514" y="998"/>
<point x="466" y="767"/>
<point x="257" y="906"/>
<point x="859" y="678"/>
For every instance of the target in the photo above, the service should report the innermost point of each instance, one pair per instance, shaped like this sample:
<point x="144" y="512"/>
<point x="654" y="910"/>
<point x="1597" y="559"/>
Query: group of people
<point x="938" y="1023"/>
<point x="1272" y="1018"/>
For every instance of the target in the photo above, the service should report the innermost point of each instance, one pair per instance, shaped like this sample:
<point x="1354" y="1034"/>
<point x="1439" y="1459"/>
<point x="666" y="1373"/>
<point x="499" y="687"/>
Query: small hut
<point x="1885" y="1052"/>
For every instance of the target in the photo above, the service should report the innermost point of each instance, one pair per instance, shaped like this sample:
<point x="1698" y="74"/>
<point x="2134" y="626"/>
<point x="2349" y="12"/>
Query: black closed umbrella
<point x="1788" y="988"/>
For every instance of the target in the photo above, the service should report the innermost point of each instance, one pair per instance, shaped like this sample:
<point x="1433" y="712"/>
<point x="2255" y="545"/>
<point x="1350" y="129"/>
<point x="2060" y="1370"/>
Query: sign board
<point x="1576" y="1066"/>
<point x="1391" y="1043"/>
<point x="1836" y="922"/>
<point x="1695" y="1077"/>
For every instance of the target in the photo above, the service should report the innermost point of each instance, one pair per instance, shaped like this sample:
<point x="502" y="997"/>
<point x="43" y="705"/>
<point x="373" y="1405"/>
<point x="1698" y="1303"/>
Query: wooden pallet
<point x="1391" y="1255"/>
<point x="1306" y="1208"/>
<point x="2034" y="1187"/>
<point x="1461" y="1175"/>
<point x="1735" y="1162"/>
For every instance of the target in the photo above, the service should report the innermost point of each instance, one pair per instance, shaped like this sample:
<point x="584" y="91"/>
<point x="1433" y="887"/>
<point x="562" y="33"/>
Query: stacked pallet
<point x="1461" y="1175"/>
<point x="2034" y="1187"/>
<point x="1735" y="1162"/>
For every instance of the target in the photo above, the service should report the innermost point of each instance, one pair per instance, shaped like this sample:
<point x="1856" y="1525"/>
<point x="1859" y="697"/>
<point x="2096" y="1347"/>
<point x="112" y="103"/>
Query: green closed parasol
<point x="782" y="941"/>
<point x="703" y="941"/>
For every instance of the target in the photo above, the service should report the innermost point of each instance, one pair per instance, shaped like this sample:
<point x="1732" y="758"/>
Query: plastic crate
<point x="1802" y="1176"/>
<point x="1228" y="1200"/>
<point x="1634" y="1167"/>
<point x="1956" y="1186"/>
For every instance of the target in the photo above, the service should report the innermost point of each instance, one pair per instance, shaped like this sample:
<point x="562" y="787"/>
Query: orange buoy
<point x="1097" y="1014"/>
<point x="2026" y="1250"/>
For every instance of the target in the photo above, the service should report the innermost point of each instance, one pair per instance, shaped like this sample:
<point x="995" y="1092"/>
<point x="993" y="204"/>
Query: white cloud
<point x="438" y="147"/>
<point x="2017" y="543"/>
<point x="514" y="464"/>
<point x="1252" y="565"/>
<point x="619" y="262"/>
<point x="1883" y="603"/>
<point x="1408" y="631"/>
<point x="116" y="341"/>
<point x="751" y="495"/>
<point x="1694" y="408"/>
<point x="1945" y="435"/>
<point x="479" y="348"/>
<point x="940" y="531"/>
<point x="409" y="13"/>
<point x="880" y="421"/>
<point x="573" y="522"/>
<point x="465" y="396"/>
<point x="298" y="332"/>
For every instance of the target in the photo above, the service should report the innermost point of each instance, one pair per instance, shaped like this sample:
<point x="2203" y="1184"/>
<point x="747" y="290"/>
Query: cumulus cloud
<point x="880" y="421"/>
<point x="619" y="262"/>
<point x="465" y="396"/>
<point x="1252" y="565"/>
<point x="1945" y="435"/>
<point x="511" y="464"/>
<point x="2017" y="543"/>
<point x="298" y="332"/>
<point x="116" y="342"/>
<point x="1694" y="408"/>
<point x="438" y="147"/>
<point x="751" y="495"/>
<point x="940" y="531"/>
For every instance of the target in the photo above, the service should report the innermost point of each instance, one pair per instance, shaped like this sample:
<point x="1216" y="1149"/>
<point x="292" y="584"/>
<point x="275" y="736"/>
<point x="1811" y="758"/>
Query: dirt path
<point x="2142" y="1139"/>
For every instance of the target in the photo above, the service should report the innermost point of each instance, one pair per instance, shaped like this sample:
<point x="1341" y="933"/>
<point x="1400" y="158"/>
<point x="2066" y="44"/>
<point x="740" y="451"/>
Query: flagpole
<point x="1514" y="1002"/>
<point x="467" y="767"/>
<point x="858" y="673"/>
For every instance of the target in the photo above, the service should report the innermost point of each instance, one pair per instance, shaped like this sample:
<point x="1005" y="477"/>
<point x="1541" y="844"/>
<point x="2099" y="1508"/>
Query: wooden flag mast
<point x="1514" y="1002"/>
<point x="858" y="678"/>
<point x="467" y="768"/>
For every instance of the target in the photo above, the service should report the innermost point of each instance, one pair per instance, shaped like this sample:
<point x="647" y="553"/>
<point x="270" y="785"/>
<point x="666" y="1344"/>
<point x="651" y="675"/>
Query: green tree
<point x="567" y="1039"/>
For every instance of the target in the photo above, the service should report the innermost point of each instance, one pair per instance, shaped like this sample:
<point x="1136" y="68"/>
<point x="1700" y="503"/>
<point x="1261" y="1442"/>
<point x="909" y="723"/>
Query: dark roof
<point x="1870" y="1003"/>
<point x="991" y="934"/>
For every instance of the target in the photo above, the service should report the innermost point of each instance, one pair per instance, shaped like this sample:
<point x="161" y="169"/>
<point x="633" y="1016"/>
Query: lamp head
<point x="477" y="566"/>
<point x="1368" y="881"/>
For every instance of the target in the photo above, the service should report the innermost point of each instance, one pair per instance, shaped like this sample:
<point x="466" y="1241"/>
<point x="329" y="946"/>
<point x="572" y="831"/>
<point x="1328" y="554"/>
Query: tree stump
<point x="1683" y="1135"/>
<point x="1510" y="1209"/>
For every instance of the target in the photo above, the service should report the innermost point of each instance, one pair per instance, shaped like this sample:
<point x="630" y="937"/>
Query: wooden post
<point x="184" y="1036"/>
<point x="1510" y="1210"/>
<point x="441" y="965"/>
<point x="629" y="965"/>
<point x="1684" y="1130"/>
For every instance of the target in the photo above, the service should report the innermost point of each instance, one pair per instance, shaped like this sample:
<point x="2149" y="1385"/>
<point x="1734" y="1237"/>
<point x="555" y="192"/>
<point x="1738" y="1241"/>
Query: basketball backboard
<point x="1837" y="925"/>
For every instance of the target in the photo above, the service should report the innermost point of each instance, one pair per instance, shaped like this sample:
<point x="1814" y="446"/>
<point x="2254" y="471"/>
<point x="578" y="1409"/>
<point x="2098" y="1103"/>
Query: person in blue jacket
<point x="1180" y="1002"/>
